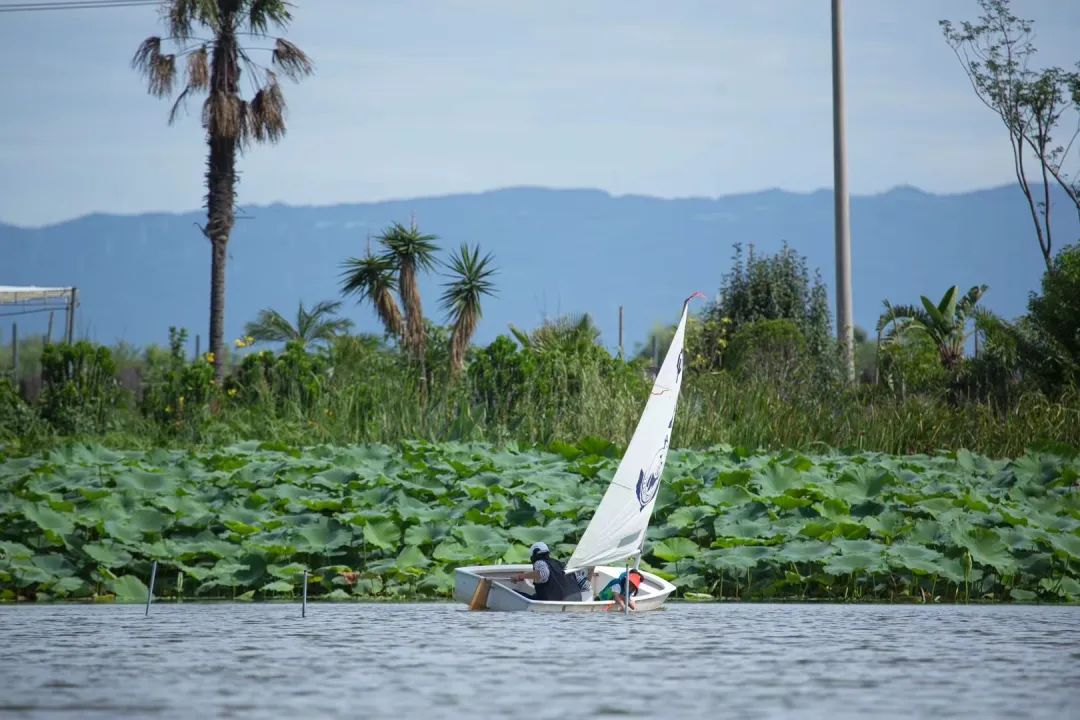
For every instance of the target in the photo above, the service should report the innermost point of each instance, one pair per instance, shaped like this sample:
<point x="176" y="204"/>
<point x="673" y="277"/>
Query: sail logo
<point x="649" y="480"/>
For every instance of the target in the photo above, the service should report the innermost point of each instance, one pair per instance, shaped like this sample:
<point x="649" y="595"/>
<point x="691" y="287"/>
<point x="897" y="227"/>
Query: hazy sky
<point x="412" y="97"/>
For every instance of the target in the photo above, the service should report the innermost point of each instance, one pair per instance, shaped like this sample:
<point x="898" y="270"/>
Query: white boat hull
<point x="651" y="595"/>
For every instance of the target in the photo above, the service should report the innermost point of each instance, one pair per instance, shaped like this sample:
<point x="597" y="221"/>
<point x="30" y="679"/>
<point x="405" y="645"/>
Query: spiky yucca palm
<point x="312" y="326"/>
<point x="214" y="66"/>
<point x="372" y="278"/>
<point x="410" y="251"/>
<point x="470" y="280"/>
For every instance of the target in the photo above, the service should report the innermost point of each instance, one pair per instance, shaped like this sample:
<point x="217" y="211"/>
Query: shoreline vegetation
<point x="243" y="522"/>
<point x="379" y="464"/>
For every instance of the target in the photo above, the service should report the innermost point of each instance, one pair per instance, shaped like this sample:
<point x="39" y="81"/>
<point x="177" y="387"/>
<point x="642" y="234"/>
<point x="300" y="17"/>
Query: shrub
<point x="79" y="387"/>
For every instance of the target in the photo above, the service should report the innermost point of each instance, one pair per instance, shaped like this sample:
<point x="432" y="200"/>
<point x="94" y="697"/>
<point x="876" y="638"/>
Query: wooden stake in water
<point x="150" y="590"/>
<point x="303" y="604"/>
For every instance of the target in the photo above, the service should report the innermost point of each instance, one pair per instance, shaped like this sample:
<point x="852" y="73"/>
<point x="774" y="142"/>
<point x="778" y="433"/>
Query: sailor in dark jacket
<point x="549" y="576"/>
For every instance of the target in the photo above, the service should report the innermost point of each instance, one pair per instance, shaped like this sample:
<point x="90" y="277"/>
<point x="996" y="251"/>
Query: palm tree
<point x="471" y="279"/>
<point x="372" y="278"/>
<point x="945" y="323"/>
<point x="410" y="251"/>
<point x="571" y="334"/>
<point x="311" y="326"/>
<point x="213" y="66"/>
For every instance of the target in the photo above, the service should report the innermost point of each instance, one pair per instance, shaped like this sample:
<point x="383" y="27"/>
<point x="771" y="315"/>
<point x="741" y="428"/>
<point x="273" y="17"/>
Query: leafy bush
<point x="1056" y="312"/>
<point x="17" y="419"/>
<point x="292" y="377"/>
<point x="771" y="287"/>
<point x="771" y="349"/>
<point x="79" y="387"/>
<point x="177" y="394"/>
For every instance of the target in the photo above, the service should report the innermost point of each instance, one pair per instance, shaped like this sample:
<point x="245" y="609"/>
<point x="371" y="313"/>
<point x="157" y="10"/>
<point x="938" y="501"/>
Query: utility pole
<point x="844" y="324"/>
<point x="620" y="334"/>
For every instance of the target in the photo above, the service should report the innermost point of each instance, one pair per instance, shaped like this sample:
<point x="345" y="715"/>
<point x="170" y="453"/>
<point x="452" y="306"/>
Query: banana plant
<point x="945" y="323"/>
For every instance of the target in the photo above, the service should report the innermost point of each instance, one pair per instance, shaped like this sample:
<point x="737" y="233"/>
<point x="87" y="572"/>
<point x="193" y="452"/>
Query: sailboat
<point x="616" y="533"/>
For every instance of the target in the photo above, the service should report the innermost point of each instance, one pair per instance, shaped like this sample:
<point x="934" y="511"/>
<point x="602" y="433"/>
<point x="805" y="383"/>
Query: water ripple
<point x="439" y="661"/>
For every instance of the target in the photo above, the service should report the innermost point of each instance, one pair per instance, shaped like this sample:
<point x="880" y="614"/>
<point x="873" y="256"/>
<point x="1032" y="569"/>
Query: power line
<point x="73" y="5"/>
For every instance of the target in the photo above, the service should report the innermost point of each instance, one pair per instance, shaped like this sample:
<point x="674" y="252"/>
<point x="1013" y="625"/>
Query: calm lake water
<point x="438" y="660"/>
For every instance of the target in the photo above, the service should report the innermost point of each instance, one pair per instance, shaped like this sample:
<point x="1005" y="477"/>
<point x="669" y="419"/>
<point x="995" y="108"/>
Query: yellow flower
<point x="232" y="392"/>
<point x="209" y="357"/>
<point x="239" y="343"/>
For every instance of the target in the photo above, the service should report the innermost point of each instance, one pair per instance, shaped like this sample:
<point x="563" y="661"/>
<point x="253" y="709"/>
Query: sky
<point x="413" y="98"/>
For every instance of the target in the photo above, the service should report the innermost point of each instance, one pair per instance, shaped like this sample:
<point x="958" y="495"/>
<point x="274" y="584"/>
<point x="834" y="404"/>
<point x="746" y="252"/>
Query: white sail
<point x="617" y="530"/>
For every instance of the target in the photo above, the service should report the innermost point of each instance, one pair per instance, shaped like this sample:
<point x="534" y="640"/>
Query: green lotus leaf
<point x="454" y="552"/>
<point x="55" y="564"/>
<point x="859" y="484"/>
<point x="337" y="595"/>
<point x="726" y="496"/>
<point x="67" y="586"/>
<point x="854" y="563"/>
<point x="685" y="517"/>
<point x="516" y="554"/>
<point x="925" y="532"/>
<point x="888" y="524"/>
<point x="107" y="553"/>
<point x="804" y="551"/>
<point x="278" y="586"/>
<point x="48" y="519"/>
<point x="817" y="529"/>
<point x="146" y="482"/>
<point x="986" y="548"/>
<point x="481" y="536"/>
<point x="426" y="533"/>
<point x="535" y="533"/>
<point x="241" y="528"/>
<point x="123" y="530"/>
<point x="128" y="588"/>
<point x="1065" y="543"/>
<point x="675" y="549"/>
<point x="286" y="572"/>
<point x="383" y="534"/>
<point x="791" y="502"/>
<point x="437" y="581"/>
<point x="148" y="520"/>
<point x="1065" y="586"/>
<point x="728" y="526"/>
<point x="737" y="559"/>
<point x="918" y="559"/>
<point x="15" y="551"/>
<point x="776" y="480"/>
<point x="412" y="557"/>
<point x="1023" y="595"/>
<point x="937" y="505"/>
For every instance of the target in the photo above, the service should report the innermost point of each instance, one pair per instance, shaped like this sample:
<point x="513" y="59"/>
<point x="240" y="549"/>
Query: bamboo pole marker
<point x="303" y="603"/>
<point x="480" y="595"/>
<point x="150" y="590"/>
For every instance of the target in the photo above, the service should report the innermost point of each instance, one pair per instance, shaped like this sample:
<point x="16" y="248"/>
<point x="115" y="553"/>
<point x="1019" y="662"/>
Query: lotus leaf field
<point x="84" y="522"/>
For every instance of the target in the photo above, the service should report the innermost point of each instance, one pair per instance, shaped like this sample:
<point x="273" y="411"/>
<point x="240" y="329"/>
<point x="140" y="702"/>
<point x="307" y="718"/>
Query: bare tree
<point x="996" y="52"/>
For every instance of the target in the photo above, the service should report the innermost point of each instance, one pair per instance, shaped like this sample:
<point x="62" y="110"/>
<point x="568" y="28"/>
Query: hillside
<point x="558" y="251"/>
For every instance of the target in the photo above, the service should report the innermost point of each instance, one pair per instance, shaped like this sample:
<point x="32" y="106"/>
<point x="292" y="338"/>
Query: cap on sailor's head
<point x="538" y="548"/>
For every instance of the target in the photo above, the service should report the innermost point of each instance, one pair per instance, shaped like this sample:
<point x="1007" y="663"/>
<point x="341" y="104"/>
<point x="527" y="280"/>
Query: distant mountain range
<point x="559" y="251"/>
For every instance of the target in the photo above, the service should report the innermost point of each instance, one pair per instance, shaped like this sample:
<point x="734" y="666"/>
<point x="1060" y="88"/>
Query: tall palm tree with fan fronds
<point x="312" y="326"/>
<point x="410" y="251"/>
<point x="470" y="280"/>
<point x="214" y="65"/>
<point x="372" y="278"/>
